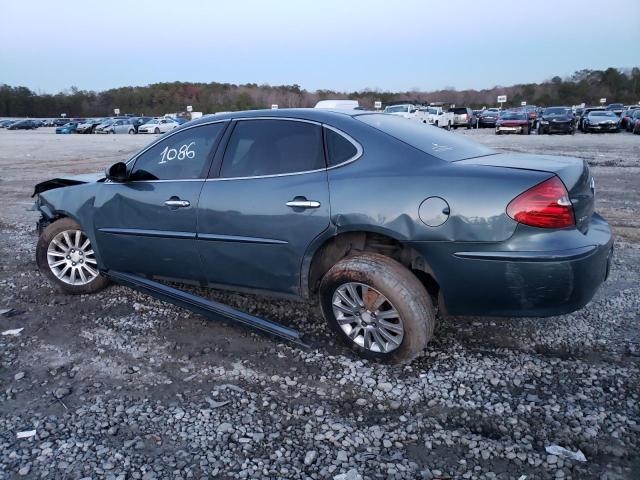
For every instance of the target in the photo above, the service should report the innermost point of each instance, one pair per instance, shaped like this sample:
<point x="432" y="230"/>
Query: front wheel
<point x="377" y="307"/>
<point x="65" y="255"/>
<point x="156" y="131"/>
<point x="525" y="130"/>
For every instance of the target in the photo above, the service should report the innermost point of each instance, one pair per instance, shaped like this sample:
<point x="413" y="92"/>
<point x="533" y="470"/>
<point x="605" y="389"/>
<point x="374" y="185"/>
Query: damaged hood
<point x="67" y="181"/>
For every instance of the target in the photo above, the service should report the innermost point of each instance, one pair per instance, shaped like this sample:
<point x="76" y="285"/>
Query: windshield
<point x="489" y="113"/>
<point x="603" y="114"/>
<point x="431" y="140"/>
<point x="513" y="116"/>
<point x="556" y="111"/>
<point x="397" y="109"/>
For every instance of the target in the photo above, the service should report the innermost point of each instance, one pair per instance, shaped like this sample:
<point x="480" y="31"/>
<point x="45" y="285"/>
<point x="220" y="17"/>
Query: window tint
<point x="269" y="147"/>
<point x="183" y="155"/>
<point x="339" y="149"/>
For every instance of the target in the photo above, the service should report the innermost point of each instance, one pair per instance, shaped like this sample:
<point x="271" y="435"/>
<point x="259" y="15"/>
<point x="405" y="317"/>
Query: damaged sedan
<point x="379" y="220"/>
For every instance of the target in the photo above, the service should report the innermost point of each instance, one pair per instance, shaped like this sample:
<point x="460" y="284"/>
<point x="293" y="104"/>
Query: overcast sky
<point x="50" y="45"/>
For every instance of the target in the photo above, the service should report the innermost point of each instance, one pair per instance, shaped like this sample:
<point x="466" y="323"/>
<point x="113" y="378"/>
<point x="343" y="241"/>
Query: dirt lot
<point x="119" y="385"/>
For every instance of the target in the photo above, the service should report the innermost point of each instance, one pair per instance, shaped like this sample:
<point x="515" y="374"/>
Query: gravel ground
<point x="119" y="385"/>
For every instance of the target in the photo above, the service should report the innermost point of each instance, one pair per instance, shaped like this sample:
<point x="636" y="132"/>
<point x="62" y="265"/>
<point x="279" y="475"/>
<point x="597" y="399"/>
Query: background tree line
<point x="583" y="86"/>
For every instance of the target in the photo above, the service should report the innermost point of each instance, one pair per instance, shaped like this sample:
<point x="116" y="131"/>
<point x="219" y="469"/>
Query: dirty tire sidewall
<point x="46" y="236"/>
<point x="401" y="287"/>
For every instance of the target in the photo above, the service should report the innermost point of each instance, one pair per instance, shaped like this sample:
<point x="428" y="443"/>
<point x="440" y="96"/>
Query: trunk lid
<point x="574" y="173"/>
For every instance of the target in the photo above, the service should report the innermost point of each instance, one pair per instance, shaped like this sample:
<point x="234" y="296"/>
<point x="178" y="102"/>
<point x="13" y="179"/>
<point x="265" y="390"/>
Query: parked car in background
<point x="556" y="120"/>
<point x="376" y="216"/>
<point x="436" y="116"/>
<point x="58" y="122"/>
<point x="104" y="126"/>
<point x="513" y="121"/>
<point x="531" y="111"/>
<point x="405" y="110"/>
<point x="625" y="118"/>
<point x="616" y="108"/>
<point x="6" y="123"/>
<point x="88" y="126"/>
<point x="22" y="125"/>
<point x="121" y="125"/>
<point x="585" y="113"/>
<point x="137" y="121"/>
<point x="488" y="118"/>
<point x="462" y="117"/>
<point x="158" y="125"/>
<point x="69" y="127"/>
<point x="632" y="123"/>
<point x="601" y="121"/>
<point x="38" y="123"/>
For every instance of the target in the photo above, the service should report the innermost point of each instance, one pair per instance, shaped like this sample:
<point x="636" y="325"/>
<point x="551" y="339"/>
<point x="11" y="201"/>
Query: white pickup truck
<point x="437" y="116"/>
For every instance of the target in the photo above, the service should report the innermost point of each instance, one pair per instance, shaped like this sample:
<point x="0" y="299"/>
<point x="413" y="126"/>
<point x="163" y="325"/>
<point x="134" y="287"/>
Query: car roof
<point x="313" y="114"/>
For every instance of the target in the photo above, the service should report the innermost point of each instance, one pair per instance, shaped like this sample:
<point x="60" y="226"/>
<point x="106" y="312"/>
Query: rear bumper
<point x="534" y="273"/>
<point x="510" y="129"/>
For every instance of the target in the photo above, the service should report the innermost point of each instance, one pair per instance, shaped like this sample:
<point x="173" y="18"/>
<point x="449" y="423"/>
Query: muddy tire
<point x="65" y="256"/>
<point x="377" y="307"/>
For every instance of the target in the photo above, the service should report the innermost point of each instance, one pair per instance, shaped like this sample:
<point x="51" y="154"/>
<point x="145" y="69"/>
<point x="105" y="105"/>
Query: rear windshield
<point x="431" y="140"/>
<point x="458" y="111"/>
<point x="513" y="116"/>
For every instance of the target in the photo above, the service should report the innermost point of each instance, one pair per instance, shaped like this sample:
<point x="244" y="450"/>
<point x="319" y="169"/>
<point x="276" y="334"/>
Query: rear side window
<point x="431" y="140"/>
<point x="181" y="156"/>
<point x="271" y="147"/>
<point x="339" y="148"/>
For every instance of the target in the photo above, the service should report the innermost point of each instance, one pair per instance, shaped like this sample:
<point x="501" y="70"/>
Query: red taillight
<point x="546" y="205"/>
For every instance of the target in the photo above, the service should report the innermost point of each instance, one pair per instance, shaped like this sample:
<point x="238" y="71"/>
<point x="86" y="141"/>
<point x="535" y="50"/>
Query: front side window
<point x="271" y="147"/>
<point x="184" y="155"/>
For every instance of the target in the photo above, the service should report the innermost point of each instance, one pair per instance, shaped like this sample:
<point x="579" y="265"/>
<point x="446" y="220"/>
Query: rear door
<point x="270" y="200"/>
<point x="147" y="225"/>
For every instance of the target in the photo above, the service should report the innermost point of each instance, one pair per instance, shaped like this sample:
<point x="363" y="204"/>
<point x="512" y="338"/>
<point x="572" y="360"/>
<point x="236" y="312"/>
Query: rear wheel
<point x="377" y="307"/>
<point x="156" y="131"/>
<point x="132" y="131"/>
<point x="65" y="255"/>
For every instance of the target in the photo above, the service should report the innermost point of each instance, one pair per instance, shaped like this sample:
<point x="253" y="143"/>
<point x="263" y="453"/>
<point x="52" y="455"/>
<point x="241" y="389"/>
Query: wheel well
<point x="345" y="244"/>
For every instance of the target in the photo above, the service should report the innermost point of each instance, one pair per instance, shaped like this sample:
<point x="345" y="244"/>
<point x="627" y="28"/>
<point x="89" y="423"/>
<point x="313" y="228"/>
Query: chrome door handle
<point x="177" y="203"/>
<point x="303" y="204"/>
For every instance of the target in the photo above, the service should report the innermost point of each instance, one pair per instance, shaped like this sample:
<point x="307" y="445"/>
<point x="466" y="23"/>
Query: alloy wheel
<point x="367" y="317"/>
<point x="71" y="258"/>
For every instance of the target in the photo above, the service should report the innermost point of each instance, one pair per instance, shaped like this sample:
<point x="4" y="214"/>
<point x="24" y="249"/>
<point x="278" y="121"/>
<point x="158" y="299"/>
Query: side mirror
<point x="117" y="172"/>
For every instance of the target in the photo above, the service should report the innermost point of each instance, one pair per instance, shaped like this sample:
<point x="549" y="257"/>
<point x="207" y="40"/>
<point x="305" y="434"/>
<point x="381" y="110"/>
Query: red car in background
<point x="627" y="118"/>
<point x="513" y="121"/>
